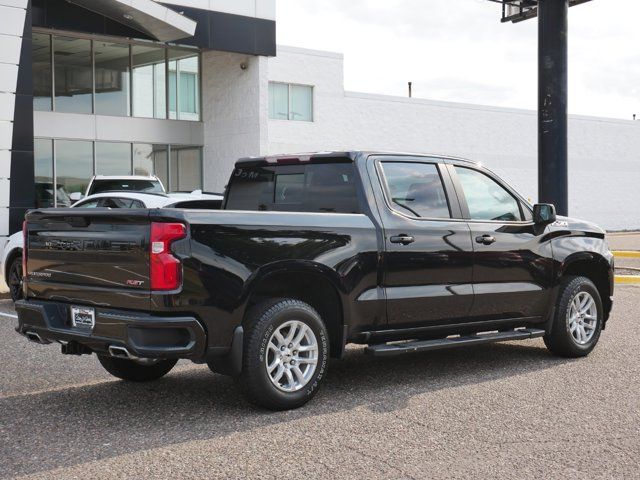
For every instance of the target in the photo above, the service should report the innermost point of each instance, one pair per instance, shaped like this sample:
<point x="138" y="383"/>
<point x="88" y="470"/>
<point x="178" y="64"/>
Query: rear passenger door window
<point x="415" y="189"/>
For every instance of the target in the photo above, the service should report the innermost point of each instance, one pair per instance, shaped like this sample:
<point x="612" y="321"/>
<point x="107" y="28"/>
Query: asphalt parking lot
<point x="503" y="410"/>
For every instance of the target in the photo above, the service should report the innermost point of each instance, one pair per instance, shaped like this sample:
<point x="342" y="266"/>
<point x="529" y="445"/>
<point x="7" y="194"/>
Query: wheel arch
<point x="312" y="283"/>
<point x="597" y="269"/>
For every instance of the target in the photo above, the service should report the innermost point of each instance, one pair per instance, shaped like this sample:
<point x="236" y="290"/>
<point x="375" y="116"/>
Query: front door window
<point x="487" y="199"/>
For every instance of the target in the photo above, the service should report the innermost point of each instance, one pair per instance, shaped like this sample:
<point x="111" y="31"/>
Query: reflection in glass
<point x="112" y="78"/>
<point x="301" y="103"/>
<point x="43" y="159"/>
<point x="278" y="101"/>
<point x="150" y="160"/>
<point x="73" y="75"/>
<point x="113" y="158"/>
<point x="184" y="85"/>
<point x="149" y="82"/>
<point x="416" y="188"/>
<point x="74" y="165"/>
<point x="186" y="169"/>
<point x="42" y="80"/>
<point x="161" y="166"/>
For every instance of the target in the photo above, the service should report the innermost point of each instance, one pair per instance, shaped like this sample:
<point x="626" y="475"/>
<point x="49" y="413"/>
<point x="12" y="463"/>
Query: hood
<point x="576" y="225"/>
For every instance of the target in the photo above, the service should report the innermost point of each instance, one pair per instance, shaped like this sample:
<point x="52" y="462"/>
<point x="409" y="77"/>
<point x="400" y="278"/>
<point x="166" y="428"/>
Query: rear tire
<point x="134" y="371"/>
<point x="577" y="319"/>
<point x="286" y="349"/>
<point x="14" y="278"/>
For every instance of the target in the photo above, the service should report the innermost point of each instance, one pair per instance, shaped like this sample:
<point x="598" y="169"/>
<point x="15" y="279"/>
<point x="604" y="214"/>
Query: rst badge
<point x="135" y="283"/>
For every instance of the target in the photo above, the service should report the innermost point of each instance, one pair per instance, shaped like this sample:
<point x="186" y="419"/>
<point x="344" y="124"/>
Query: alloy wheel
<point x="292" y="356"/>
<point x="582" y="318"/>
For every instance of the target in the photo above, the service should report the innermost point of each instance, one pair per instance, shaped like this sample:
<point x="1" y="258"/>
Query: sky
<point x="457" y="50"/>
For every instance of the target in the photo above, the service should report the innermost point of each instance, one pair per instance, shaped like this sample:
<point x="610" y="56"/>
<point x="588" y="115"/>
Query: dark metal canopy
<point x="146" y="16"/>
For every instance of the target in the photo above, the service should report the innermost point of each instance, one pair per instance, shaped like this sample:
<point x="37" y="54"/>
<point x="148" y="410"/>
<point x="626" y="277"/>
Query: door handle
<point x="403" y="239"/>
<point x="486" y="239"/>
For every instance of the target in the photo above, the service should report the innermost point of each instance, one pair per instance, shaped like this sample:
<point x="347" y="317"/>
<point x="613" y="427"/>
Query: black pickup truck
<point x="401" y="253"/>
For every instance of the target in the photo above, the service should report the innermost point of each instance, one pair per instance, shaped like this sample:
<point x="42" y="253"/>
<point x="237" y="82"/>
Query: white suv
<point x="121" y="183"/>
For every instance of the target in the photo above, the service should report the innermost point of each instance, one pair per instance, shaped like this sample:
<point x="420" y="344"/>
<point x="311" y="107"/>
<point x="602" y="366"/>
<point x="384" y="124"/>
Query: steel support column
<point x="552" y="106"/>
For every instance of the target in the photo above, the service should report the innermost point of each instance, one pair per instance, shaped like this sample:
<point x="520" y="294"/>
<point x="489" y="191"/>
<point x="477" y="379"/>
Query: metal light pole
<point x="552" y="104"/>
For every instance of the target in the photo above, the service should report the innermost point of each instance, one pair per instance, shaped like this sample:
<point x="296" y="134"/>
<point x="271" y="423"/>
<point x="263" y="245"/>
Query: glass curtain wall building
<point x="69" y="164"/>
<point x="115" y="88"/>
<point x="94" y="76"/>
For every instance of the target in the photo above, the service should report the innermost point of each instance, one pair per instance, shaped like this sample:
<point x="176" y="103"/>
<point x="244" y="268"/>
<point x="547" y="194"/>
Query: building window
<point x="74" y="166"/>
<point x="73" y="75"/>
<point x="42" y="82"/>
<point x="151" y="160"/>
<point x="184" y="86"/>
<point x="290" y="102"/>
<point x="43" y="156"/>
<point x="186" y="169"/>
<point x="149" y="81"/>
<point x="112" y="79"/>
<point x="113" y="158"/>
<point x="74" y="162"/>
<point x="129" y="79"/>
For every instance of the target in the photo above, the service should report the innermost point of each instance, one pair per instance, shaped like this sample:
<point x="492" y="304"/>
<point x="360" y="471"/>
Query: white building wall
<point x="234" y="112"/>
<point x="604" y="154"/>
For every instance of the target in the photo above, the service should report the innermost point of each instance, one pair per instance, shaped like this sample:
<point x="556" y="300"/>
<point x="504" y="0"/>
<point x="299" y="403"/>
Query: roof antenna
<point x="410" y="89"/>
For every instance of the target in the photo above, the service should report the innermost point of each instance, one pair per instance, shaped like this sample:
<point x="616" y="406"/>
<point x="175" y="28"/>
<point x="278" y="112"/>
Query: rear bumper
<point x="143" y="335"/>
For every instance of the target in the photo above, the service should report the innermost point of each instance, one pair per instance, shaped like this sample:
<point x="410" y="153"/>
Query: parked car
<point x="120" y="183"/>
<point x="401" y="253"/>
<point x="11" y="265"/>
<point x="44" y="194"/>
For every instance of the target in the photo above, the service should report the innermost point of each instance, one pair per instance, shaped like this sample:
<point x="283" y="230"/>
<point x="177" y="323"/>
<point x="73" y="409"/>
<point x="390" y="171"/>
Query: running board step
<point x="388" y="349"/>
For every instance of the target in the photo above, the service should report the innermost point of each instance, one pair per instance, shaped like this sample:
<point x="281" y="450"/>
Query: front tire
<point x="135" y="371"/>
<point x="286" y="348"/>
<point x="577" y="320"/>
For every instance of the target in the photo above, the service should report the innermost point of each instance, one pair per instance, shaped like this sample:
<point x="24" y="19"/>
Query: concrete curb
<point x="628" y="279"/>
<point x="626" y="254"/>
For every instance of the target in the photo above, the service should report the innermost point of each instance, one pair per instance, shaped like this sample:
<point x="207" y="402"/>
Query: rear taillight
<point x="165" y="268"/>
<point x="25" y="243"/>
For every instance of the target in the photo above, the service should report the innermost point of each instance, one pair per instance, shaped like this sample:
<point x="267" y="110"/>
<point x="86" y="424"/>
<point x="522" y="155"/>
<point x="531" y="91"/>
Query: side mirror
<point x="544" y="213"/>
<point x="75" y="196"/>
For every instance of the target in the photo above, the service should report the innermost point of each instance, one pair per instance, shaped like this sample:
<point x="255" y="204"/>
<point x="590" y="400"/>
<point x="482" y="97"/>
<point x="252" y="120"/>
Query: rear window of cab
<point x="323" y="188"/>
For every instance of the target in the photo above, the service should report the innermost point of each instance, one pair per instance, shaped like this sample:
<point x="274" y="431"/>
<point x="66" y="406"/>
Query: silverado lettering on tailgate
<point x="90" y="245"/>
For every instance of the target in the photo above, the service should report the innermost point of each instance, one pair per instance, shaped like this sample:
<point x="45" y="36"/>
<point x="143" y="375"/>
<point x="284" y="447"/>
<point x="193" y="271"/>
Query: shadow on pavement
<point x="42" y="431"/>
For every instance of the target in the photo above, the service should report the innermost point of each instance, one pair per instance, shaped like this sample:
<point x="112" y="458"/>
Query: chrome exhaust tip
<point x="120" y="352"/>
<point x="36" y="338"/>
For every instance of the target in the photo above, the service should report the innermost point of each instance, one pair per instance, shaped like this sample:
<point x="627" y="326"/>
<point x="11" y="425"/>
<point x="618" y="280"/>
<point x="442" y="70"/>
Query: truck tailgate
<point x="89" y="256"/>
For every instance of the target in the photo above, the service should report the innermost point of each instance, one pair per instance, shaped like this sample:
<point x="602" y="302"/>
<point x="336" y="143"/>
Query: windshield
<point x="124" y="185"/>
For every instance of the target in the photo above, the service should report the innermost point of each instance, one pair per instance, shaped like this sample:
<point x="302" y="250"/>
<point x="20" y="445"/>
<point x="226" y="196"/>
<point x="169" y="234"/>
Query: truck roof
<point x="332" y="156"/>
